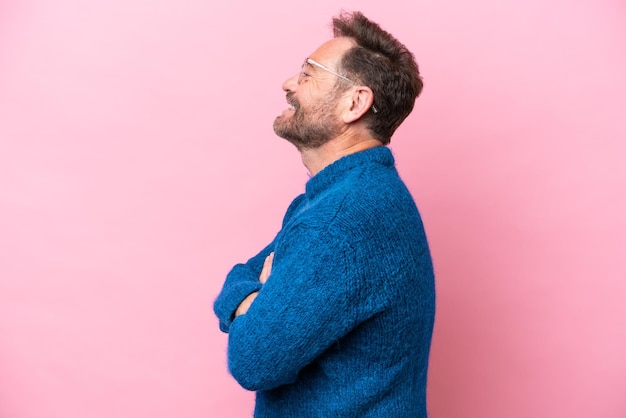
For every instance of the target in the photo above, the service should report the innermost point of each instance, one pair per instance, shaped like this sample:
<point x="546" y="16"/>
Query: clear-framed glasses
<point x="312" y="62"/>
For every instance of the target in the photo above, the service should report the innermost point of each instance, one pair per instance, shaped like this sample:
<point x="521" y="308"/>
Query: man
<point x="334" y="317"/>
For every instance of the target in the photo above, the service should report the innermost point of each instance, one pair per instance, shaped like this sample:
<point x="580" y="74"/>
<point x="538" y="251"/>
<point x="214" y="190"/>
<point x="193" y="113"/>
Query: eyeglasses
<point x="310" y="61"/>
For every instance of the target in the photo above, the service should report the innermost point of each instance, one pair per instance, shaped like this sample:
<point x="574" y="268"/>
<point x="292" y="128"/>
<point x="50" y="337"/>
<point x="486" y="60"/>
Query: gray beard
<point x="308" y="129"/>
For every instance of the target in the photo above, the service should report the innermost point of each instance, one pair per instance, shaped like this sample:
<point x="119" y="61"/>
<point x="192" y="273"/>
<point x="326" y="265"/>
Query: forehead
<point x="330" y="52"/>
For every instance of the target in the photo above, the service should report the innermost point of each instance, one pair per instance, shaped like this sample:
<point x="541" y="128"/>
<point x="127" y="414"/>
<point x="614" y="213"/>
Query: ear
<point x="360" y="101"/>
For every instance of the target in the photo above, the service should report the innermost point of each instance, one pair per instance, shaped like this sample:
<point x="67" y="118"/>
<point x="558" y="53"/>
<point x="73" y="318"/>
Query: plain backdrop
<point x="138" y="164"/>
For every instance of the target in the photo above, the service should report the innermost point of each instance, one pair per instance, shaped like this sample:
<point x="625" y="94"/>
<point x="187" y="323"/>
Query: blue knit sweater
<point x="343" y="325"/>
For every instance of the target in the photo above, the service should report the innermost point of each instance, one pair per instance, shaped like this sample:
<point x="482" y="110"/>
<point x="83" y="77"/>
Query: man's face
<point x="313" y="94"/>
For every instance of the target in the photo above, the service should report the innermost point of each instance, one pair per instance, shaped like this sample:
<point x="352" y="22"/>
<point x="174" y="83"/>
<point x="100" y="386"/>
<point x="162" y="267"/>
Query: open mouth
<point x="293" y="103"/>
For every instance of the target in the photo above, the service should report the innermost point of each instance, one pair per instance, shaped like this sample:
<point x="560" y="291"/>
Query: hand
<point x="265" y="273"/>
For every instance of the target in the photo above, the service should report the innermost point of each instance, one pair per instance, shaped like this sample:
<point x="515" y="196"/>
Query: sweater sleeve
<point x="307" y="304"/>
<point x="243" y="279"/>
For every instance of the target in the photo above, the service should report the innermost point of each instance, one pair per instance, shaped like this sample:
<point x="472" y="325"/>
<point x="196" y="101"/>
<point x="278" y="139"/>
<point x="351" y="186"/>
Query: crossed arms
<point x="287" y="305"/>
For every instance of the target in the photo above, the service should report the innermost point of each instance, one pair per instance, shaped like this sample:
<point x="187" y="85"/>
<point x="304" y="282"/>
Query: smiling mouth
<point x="292" y="102"/>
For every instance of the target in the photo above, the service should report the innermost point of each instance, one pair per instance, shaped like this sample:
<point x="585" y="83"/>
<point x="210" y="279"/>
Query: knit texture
<point x="343" y="325"/>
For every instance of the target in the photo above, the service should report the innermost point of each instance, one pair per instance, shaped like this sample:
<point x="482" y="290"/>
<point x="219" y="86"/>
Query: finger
<point x="245" y="304"/>
<point x="267" y="268"/>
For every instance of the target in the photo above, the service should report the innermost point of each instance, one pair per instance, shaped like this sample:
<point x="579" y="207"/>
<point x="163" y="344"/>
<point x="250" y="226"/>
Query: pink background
<point x="138" y="163"/>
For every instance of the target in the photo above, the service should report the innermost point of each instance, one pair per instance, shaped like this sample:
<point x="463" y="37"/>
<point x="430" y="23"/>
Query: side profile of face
<point x="313" y="94"/>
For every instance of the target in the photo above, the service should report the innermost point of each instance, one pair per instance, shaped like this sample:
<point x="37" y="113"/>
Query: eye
<point x="303" y="76"/>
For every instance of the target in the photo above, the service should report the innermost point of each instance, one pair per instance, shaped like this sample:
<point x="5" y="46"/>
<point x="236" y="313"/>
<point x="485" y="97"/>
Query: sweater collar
<point x="329" y="174"/>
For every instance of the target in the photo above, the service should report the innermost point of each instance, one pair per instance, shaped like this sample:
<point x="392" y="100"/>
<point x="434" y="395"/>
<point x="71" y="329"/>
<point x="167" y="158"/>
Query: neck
<point x="317" y="158"/>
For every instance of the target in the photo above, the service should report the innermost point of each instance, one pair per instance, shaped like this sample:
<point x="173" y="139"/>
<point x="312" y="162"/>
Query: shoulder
<point x="377" y="205"/>
<point x="373" y="189"/>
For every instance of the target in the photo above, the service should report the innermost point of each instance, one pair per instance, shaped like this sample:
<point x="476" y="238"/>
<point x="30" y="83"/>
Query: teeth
<point x="291" y="107"/>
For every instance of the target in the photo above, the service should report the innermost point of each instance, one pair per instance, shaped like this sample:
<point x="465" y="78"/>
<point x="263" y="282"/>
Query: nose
<point x="291" y="83"/>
